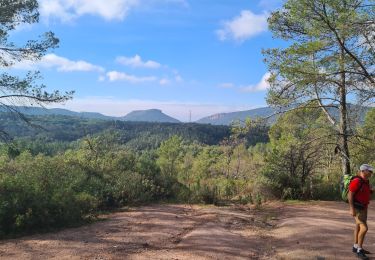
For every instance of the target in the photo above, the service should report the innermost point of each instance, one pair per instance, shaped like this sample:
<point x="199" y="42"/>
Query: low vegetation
<point x="68" y="169"/>
<point x="43" y="188"/>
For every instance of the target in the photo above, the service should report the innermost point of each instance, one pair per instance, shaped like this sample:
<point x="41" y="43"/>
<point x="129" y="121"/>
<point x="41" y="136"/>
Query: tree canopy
<point x="328" y="63"/>
<point x="15" y="89"/>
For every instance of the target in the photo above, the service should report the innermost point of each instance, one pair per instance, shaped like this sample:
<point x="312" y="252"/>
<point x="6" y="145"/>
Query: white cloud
<point x="137" y="62"/>
<point x="60" y="63"/>
<point x="171" y="75"/>
<point x="177" y="76"/>
<point x="261" y="86"/>
<point x="67" y="10"/>
<point x="64" y="64"/>
<point x="121" y="76"/>
<point x="177" y="109"/>
<point x="245" y="26"/>
<point x="164" y="81"/>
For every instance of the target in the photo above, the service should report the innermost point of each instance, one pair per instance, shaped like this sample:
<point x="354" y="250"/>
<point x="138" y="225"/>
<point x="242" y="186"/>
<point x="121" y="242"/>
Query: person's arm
<point x="351" y="203"/>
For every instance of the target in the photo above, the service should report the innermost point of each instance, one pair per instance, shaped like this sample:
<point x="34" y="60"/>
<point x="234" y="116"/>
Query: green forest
<point x="68" y="171"/>
<point x="58" y="171"/>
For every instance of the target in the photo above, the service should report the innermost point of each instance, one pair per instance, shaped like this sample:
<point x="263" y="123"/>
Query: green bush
<point x="41" y="195"/>
<point x="41" y="192"/>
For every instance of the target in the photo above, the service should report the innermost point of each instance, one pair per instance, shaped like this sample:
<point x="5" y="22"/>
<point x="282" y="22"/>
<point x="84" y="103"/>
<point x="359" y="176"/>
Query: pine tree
<point x="23" y="90"/>
<point x="329" y="61"/>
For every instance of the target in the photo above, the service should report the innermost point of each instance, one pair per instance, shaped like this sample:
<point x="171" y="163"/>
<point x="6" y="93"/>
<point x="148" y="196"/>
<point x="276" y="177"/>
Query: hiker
<point x="359" y="197"/>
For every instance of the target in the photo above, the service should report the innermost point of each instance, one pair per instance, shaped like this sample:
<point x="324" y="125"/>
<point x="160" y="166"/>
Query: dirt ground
<point x="311" y="230"/>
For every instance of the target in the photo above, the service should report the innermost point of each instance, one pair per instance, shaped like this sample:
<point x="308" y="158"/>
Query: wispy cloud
<point x="60" y="63"/>
<point x="121" y="76"/>
<point x="243" y="27"/>
<point x="64" y="64"/>
<point x="164" y="81"/>
<point x="261" y="86"/>
<point x="177" y="76"/>
<point x="171" y="76"/>
<point x="68" y="10"/>
<point x="137" y="62"/>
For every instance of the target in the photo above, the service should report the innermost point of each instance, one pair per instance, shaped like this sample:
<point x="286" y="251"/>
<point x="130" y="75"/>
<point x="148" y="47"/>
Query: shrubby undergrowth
<point x="44" y="191"/>
<point x="40" y="192"/>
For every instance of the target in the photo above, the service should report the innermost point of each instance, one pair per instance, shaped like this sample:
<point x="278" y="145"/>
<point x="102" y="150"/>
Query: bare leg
<point x="362" y="233"/>
<point x="356" y="231"/>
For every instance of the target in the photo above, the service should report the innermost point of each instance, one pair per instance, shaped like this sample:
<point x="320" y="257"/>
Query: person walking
<point x="359" y="197"/>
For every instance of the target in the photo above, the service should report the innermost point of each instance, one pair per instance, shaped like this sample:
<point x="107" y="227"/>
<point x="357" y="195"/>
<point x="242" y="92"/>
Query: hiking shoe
<point x="361" y="254"/>
<point x="364" y="250"/>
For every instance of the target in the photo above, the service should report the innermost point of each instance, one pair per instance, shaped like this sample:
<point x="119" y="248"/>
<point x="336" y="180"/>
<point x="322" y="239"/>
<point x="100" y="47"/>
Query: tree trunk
<point x="343" y="126"/>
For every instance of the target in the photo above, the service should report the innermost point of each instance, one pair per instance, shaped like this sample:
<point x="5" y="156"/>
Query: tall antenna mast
<point x="189" y="116"/>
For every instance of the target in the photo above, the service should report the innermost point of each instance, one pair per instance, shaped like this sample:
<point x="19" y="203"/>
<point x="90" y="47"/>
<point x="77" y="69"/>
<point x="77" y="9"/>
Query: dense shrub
<point x="41" y="192"/>
<point x="75" y="181"/>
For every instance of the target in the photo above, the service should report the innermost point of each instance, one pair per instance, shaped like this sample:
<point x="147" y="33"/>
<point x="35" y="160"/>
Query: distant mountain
<point x="156" y="115"/>
<point x="134" y="135"/>
<point x="228" y="118"/>
<point x="150" y="115"/>
<point x="271" y="115"/>
<point x="40" y="111"/>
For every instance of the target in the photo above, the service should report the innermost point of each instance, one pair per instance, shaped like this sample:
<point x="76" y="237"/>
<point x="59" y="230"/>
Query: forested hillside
<point x="65" y="167"/>
<point x="62" y="170"/>
<point x="70" y="167"/>
<point x="137" y="135"/>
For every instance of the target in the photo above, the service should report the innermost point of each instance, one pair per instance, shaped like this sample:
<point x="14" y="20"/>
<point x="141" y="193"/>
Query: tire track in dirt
<point x="149" y="232"/>
<point x="218" y="233"/>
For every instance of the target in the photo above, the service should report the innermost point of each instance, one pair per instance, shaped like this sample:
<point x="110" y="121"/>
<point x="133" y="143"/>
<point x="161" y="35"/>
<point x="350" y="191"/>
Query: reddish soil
<point x="312" y="230"/>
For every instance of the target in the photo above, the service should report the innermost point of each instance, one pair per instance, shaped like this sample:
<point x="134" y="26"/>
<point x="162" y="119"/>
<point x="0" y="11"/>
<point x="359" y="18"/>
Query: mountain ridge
<point x="230" y="117"/>
<point x="156" y="115"/>
<point x="149" y="115"/>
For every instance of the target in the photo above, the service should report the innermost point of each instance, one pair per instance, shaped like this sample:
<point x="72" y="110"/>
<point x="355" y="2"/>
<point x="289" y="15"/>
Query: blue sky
<point x="180" y="56"/>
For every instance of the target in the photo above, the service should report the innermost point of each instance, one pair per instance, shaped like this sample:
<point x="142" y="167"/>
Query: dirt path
<point x="320" y="230"/>
<point x="300" y="231"/>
